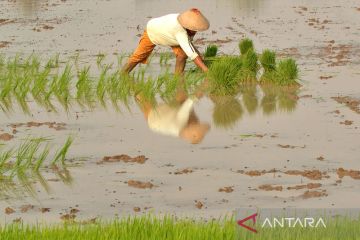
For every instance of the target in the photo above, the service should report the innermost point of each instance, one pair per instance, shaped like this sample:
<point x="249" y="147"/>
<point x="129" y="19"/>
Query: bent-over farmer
<point x="176" y="31"/>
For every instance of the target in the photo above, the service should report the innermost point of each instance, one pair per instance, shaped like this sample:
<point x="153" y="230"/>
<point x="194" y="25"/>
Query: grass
<point x="168" y="227"/>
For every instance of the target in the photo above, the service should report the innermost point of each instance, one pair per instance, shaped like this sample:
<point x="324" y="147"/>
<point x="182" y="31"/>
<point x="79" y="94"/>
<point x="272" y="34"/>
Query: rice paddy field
<point x="79" y="160"/>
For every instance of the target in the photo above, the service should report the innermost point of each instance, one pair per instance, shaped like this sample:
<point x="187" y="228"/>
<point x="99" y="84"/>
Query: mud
<point x="139" y="184"/>
<point x="347" y="122"/>
<point x="9" y="210"/>
<point x="226" y="189"/>
<point x="310" y="174"/>
<point x="53" y="125"/>
<point x="141" y="159"/>
<point x="269" y="187"/>
<point x="308" y="186"/>
<point x="314" y="194"/>
<point x="355" y="174"/>
<point x="183" y="171"/>
<point x="6" y="137"/>
<point x="198" y="204"/>
<point x="350" y="102"/>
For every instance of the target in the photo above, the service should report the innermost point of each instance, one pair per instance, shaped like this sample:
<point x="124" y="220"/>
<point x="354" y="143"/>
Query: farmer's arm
<point x="190" y="50"/>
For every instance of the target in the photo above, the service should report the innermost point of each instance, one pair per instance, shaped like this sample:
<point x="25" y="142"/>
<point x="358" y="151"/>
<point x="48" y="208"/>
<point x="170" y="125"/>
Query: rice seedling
<point x="287" y="72"/>
<point x="100" y="57"/>
<point x="268" y="60"/>
<point x="60" y="155"/>
<point x="41" y="158"/>
<point x="164" y="58"/>
<point x="84" y="87"/>
<point x="227" y="111"/>
<point x="245" y="45"/>
<point x="211" y="51"/>
<point x="222" y="75"/>
<point x="249" y="67"/>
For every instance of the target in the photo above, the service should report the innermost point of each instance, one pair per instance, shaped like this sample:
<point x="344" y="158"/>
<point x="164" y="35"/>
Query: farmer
<point x="176" y="31"/>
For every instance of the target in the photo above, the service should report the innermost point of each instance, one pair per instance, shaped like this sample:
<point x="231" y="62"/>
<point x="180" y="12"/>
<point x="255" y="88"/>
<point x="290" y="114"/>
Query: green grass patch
<point x="150" y="227"/>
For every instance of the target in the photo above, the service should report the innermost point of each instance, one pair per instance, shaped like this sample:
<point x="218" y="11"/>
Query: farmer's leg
<point x="180" y="59"/>
<point x="141" y="53"/>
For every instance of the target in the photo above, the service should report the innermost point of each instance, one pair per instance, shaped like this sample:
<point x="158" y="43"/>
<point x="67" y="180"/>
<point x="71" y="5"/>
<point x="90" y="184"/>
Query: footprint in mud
<point x="139" y="184"/>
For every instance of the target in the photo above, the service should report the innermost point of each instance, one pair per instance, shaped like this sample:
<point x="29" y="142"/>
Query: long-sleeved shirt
<point x="167" y="31"/>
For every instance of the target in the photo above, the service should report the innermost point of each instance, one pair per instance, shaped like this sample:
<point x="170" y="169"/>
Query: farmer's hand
<point x="199" y="62"/>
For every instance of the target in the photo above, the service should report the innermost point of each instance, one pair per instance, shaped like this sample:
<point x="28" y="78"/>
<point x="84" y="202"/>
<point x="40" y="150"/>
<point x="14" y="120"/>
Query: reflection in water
<point x="228" y="109"/>
<point x="24" y="183"/>
<point x="29" y="7"/>
<point x="178" y="119"/>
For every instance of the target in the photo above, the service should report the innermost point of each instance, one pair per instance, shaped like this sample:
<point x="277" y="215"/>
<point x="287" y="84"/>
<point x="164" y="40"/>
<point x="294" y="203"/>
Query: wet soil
<point x="314" y="194"/>
<point x="350" y="102"/>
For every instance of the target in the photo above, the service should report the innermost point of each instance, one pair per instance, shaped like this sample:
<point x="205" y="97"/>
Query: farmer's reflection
<point x="178" y="119"/>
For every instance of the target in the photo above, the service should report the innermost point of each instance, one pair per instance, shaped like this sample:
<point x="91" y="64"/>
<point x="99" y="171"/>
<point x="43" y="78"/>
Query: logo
<point x="253" y="217"/>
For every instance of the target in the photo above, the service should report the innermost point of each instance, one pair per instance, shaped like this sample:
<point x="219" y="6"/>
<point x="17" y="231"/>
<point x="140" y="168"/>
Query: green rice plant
<point x="101" y="86"/>
<point x="249" y="68"/>
<point x="222" y="75"/>
<point x="164" y="58"/>
<point x="41" y="158"/>
<point x="84" y="87"/>
<point x="147" y="89"/>
<point x="4" y="159"/>
<point x="268" y="60"/>
<point x="61" y="87"/>
<point x="100" y="57"/>
<point x="60" y="155"/>
<point x="227" y="111"/>
<point x="287" y="72"/>
<point x="245" y="45"/>
<point x="210" y="51"/>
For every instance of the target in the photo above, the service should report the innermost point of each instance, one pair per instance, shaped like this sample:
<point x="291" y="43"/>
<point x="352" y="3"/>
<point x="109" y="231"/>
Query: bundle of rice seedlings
<point x="211" y="51"/>
<point x="249" y="67"/>
<point x="287" y="72"/>
<point x="245" y="45"/>
<point x="227" y="111"/>
<point x="268" y="60"/>
<point x="222" y="75"/>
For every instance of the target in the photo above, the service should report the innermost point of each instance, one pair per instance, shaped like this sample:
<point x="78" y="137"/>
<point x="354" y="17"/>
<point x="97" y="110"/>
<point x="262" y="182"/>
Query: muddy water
<point x="321" y="35"/>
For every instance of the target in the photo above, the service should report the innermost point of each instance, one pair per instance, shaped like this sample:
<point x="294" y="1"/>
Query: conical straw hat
<point x="193" y="20"/>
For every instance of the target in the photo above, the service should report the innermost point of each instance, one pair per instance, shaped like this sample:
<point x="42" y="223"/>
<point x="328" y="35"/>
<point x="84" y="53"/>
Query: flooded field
<point x="265" y="147"/>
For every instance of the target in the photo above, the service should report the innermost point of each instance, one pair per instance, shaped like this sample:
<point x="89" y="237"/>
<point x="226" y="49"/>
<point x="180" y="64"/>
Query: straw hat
<point x="193" y="20"/>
